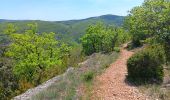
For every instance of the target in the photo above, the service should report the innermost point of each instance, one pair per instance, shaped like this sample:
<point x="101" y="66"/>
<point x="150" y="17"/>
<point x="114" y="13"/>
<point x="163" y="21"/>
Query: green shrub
<point x="88" y="76"/>
<point x="117" y="49"/>
<point x="101" y="38"/>
<point x="137" y="38"/>
<point x="8" y="81"/>
<point x="146" y="65"/>
<point x="167" y="52"/>
<point x="131" y="45"/>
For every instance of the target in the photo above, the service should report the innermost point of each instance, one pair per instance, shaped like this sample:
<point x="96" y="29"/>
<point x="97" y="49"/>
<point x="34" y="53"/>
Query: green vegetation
<point x="88" y="76"/>
<point x="99" y="38"/>
<point x="117" y="49"/>
<point x="8" y="81"/>
<point x="68" y="30"/>
<point x="28" y="58"/>
<point x="31" y="54"/>
<point x="68" y="84"/>
<point x="149" y="24"/>
<point x="151" y="20"/>
<point x="156" y="91"/>
<point x="146" y="65"/>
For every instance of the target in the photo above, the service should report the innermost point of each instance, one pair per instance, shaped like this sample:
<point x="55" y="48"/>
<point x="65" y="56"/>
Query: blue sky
<point x="55" y="10"/>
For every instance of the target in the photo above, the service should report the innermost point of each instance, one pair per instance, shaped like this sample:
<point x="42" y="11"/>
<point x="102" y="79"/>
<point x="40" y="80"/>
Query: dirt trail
<point x="111" y="84"/>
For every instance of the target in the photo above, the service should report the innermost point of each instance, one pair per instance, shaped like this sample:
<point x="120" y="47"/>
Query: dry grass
<point x="159" y="92"/>
<point x="67" y="88"/>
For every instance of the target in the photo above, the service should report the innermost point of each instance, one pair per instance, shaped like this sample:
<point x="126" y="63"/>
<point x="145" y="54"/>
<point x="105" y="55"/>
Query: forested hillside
<point x="69" y="29"/>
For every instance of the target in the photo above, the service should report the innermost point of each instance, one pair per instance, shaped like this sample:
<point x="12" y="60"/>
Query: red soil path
<point x="111" y="85"/>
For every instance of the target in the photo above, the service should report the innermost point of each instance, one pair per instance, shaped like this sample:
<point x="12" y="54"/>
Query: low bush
<point x="117" y="49"/>
<point x="88" y="76"/>
<point x="146" y="65"/>
<point x="136" y="40"/>
<point x="8" y="81"/>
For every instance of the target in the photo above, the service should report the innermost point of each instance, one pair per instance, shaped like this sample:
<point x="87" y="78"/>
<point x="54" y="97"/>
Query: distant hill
<point x="4" y="20"/>
<point x="1" y="20"/>
<point x="68" y="29"/>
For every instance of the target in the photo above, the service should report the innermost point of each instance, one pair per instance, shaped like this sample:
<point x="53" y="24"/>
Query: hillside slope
<point x="72" y="28"/>
<point x="66" y="86"/>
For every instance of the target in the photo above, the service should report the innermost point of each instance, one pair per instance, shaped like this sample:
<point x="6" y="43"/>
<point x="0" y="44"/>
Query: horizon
<point x="64" y="10"/>
<point x="59" y="20"/>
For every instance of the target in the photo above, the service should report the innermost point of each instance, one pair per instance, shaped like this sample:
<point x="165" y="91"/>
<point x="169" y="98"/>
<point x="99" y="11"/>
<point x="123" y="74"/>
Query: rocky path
<point x="112" y="85"/>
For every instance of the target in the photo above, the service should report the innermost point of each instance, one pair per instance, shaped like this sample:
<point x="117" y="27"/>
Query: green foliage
<point x="146" y="65"/>
<point x="149" y="23"/>
<point x="34" y="52"/>
<point x="76" y="55"/>
<point x="71" y="30"/>
<point x="3" y="39"/>
<point x="99" y="38"/>
<point x="8" y="81"/>
<point x="88" y="76"/>
<point x="117" y="49"/>
<point x="34" y="58"/>
<point x="167" y="53"/>
<point x="150" y="20"/>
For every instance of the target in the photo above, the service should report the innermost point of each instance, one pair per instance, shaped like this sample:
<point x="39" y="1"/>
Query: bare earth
<point x="111" y="85"/>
